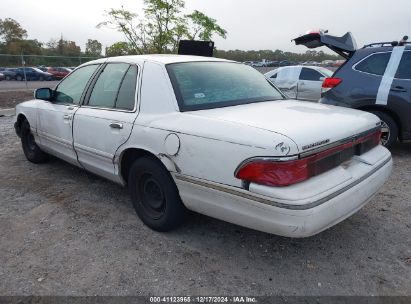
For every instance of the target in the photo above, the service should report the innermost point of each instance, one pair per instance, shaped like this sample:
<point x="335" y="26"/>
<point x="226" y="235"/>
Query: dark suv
<point x="375" y="78"/>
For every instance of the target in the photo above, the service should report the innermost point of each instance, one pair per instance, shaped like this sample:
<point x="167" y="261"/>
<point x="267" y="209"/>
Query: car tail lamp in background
<point x="271" y="172"/>
<point x="330" y="83"/>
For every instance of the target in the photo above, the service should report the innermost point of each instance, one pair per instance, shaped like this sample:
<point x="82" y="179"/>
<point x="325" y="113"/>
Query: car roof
<point x="158" y="58"/>
<point x="376" y="49"/>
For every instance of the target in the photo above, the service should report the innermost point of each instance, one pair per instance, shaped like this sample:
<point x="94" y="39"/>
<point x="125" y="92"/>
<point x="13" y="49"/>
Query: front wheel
<point x="32" y="152"/>
<point x="389" y="129"/>
<point x="19" y="78"/>
<point x="155" y="195"/>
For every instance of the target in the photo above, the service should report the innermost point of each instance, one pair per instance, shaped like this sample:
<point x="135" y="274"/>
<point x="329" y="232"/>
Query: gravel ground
<point x="64" y="231"/>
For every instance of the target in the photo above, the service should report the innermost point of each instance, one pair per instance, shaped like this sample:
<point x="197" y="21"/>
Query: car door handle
<point x="116" y="125"/>
<point x="67" y="117"/>
<point x="398" y="89"/>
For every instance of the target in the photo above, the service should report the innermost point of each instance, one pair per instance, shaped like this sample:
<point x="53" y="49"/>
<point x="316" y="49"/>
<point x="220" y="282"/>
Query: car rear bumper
<point x="262" y="213"/>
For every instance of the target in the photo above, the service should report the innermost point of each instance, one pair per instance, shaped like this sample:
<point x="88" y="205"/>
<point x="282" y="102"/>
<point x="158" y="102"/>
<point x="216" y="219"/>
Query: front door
<point x="106" y="120"/>
<point x="55" y="117"/>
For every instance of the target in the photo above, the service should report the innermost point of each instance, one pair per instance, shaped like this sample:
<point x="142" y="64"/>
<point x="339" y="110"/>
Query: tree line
<point x="159" y="30"/>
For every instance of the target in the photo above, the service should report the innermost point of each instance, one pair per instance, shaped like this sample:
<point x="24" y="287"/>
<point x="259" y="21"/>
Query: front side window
<point x="207" y="85"/>
<point x="404" y="69"/>
<point x="310" y="74"/>
<point x="374" y="64"/>
<point x="109" y="86"/>
<point x="71" y="88"/>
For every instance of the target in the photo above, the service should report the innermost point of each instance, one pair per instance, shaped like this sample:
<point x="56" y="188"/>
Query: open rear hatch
<point x="344" y="46"/>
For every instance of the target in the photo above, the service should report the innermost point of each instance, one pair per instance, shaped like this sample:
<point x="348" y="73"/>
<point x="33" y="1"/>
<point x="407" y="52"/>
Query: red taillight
<point x="284" y="173"/>
<point x="330" y="83"/>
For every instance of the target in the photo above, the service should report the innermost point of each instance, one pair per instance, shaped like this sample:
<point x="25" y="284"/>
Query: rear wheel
<point x="41" y="78"/>
<point x="155" y="196"/>
<point x="8" y="77"/>
<point x="19" y="78"/>
<point x="32" y="152"/>
<point x="389" y="129"/>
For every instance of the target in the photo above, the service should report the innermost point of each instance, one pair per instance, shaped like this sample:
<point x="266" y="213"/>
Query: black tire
<point x="155" y="195"/>
<point x="32" y="152"/>
<point x="389" y="134"/>
<point x="8" y="78"/>
<point x="41" y="78"/>
<point x="19" y="78"/>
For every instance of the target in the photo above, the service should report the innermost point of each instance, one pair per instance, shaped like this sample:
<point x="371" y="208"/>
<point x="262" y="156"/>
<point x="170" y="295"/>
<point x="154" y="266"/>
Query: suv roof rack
<point x="381" y="44"/>
<point x="402" y="42"/>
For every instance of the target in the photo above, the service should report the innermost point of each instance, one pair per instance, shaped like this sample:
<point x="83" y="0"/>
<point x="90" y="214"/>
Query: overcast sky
<point x="251" y="24"/>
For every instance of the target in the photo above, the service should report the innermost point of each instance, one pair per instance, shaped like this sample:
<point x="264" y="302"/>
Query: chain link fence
<point x="11" y="61"/>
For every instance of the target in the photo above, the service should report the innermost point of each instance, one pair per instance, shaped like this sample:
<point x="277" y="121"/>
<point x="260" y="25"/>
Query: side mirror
<point x="322" y="78"/>
<point x="43" y="94"/>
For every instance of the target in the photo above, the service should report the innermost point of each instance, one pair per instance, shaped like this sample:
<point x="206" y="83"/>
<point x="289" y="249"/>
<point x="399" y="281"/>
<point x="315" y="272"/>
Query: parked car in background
<point x="58" y="72"/>
<point x="9" y="74"/>
<point x="250" y="63"/>
<point x="209" y="135"/>
<point x="300" y="82"/>
<point x="375" y="78"/>
<point x="32" y="74"/>
<point x="2" y="77"/>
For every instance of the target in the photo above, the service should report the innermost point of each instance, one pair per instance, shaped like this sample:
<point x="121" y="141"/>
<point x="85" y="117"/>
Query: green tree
<point x="161" y="27"/>
<point x="119" y="49"/>
<point x="32" y="47"/>
<point x="204" y="27"/>
<point x="62" y="47"/>
<point x="93" y="48"/>
<point x="11" y="30"/>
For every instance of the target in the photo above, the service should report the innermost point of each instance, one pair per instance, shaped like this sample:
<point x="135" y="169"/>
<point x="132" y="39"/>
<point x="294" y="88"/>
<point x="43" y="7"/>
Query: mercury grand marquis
<point x="211" y="136"/>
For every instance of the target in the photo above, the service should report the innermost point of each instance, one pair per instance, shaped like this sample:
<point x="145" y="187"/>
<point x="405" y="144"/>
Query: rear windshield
<point x="208" y="85"/>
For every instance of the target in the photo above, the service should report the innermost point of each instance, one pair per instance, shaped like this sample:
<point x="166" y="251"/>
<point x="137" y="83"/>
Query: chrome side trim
<point x="267" y="201"/>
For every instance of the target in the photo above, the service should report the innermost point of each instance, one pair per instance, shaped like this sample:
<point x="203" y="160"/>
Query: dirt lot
<point x="14" y="92"/>
<point x="64" y="231"/>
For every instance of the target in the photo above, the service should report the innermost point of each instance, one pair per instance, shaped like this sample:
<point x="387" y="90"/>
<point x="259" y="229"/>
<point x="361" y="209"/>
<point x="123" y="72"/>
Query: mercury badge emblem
<point x="316" y="144"/>
<point x="283" y="148"/>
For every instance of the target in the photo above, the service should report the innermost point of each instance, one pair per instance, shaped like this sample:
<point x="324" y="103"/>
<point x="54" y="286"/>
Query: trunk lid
<point x="309" y="125"/>
<point x="344" y="46"/>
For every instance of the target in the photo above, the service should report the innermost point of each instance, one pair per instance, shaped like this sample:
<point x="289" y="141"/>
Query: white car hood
<point x="305" y="123"/>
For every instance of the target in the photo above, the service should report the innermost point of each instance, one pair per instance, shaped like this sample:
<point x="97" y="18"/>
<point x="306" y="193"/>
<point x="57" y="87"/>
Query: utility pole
<point x="24" y="68"/>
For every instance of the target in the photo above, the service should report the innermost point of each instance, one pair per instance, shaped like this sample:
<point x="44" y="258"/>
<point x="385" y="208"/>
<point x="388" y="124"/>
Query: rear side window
<point x="374" y="64"/>
<point x="274" y="76"/>
<point x="105" y="90"/>
<point x="310" y="74"/>
<point x="404" y="69"/>
<point x="127" y="92"/>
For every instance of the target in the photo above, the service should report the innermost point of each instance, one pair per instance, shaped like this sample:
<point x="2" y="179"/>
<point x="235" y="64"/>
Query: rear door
<point x="105" y="121"/>
<point x="399" y="99"/>
<point x="309" y="84"/>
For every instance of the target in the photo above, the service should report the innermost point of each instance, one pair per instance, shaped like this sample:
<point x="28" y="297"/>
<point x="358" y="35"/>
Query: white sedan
<point x="208" y="135"/>
<point x="300" y="82"/>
